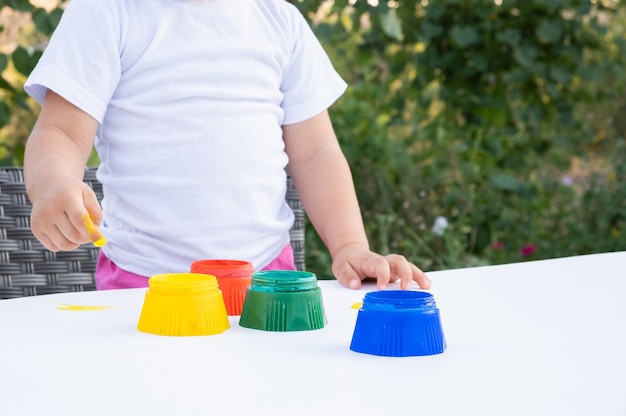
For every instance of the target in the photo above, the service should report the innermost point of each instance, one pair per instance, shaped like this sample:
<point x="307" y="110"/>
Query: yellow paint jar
<point x="183" y="304"/>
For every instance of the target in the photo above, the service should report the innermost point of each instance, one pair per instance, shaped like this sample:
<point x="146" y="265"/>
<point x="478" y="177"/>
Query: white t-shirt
<point x="190" y="96"/>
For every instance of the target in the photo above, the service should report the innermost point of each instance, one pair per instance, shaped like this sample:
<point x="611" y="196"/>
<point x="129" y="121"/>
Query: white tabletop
<point x="536" y="338"/>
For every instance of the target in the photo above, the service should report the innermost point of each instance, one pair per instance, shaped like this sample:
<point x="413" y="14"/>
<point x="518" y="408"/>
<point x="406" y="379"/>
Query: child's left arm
<point x="322" y="177"/>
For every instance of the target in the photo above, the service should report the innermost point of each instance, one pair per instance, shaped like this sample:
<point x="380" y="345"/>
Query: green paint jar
<point x="283" y="300"/>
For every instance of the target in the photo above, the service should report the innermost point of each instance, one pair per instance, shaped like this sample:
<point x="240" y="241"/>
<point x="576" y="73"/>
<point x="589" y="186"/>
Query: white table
<point x="536" y="338"/>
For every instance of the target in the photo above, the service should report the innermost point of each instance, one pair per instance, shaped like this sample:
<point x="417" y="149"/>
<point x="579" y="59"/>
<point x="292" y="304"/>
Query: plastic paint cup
<point x="283" y="300"/>
<point x="398" y="323"/>
<point x="183" y="304"/>
<point x="233" y="278"/>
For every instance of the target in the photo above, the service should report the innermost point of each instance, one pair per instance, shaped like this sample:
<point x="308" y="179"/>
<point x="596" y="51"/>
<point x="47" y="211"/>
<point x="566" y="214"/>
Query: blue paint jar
<point x="398" y="323"/>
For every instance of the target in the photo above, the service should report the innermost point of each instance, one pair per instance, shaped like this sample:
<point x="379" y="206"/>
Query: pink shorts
<point x="110" y="276"/>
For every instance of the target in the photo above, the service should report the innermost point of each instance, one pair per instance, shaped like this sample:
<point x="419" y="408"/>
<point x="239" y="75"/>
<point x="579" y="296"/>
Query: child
<point x="196" y="108"/>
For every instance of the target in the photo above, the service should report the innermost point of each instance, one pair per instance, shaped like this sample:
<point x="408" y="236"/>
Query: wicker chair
<point x="28" y="269"/>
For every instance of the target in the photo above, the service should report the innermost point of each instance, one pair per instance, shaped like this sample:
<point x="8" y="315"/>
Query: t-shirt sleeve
<point x="310" y="83"/>
<point x="82" y="61"/>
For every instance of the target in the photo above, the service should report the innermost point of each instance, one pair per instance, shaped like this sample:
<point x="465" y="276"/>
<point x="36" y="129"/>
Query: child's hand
<point x="57" y="219"/>
<point x="353" y="263"/>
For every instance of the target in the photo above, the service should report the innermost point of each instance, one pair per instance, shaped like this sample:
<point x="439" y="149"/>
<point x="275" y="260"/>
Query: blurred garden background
<point x="479" y="131"/>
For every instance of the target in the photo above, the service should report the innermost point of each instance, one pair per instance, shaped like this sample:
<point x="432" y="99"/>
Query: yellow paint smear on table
<point x="81" y="308"/>
<point x="357" y="305"/>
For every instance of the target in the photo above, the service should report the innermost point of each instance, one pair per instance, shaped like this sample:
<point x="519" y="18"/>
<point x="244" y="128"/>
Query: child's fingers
<point x="390" y="268"/>
<point x="400" y="270"/>
<point x="63" y="235"/>
<point x="347" y="276"/>
<point x="49" y="241"/>
<point x="420" y="277"/>
<point x="378" y="267"/>
<point x="83" y="228"/>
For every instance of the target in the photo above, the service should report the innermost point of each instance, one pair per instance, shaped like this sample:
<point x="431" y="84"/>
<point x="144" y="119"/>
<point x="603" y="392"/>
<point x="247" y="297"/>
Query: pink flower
<point x="498" y="245"/>
<point x="528" y="250"/>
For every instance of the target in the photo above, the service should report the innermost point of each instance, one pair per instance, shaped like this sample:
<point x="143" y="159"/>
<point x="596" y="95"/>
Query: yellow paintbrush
<point x="96" y="236"/>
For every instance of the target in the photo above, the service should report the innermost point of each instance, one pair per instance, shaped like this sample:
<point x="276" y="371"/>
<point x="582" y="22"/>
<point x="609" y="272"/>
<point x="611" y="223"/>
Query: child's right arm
<point x="54" y="162"/>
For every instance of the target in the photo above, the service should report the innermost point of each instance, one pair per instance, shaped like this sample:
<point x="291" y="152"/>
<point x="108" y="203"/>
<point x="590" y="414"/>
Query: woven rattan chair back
<point x="28" y="269"/>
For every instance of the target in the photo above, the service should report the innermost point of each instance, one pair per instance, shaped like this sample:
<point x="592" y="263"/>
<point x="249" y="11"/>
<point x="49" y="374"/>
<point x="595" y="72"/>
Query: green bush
<point x="499" y="118"/>
<point x="17" y="110"/>
<point x="475" y="112"/>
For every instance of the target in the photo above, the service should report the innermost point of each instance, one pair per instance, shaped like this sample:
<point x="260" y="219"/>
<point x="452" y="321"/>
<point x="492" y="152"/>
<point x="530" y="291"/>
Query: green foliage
<point x="17" y="110"/>
<point x="23" y="61"/>
<point x="46" y="22"/>
<point x="474" y="111"/>
<point x="501" y="116"/>
<point x="21" y="5"/>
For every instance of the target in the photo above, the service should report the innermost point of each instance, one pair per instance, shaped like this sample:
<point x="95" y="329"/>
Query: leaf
<point x="464" y="36"/>
<point x="4" y="84"/>
<point x="560" y="75"/>
<point x="46" y="22"/>
<point x="540" y="70"/>
<point x="516" y="75"/>
<point x="549" y="31"/>
<point x="590" y="73"/>
<point x="434" y="10"/>
<point x="383" y="119"/>
<point x="509" y="36"/>
<point x="23" y="61"/>
<point x="4" y="60"/>
<point x="55" y="16"/>
<point x="584" y="8"/>
<point x="504" y="181"/>
<point x="431" y="30"/>
<point x="525" y="55"/>
<point x="494" y="115"/>
<point x="5" y="114"/>
<point x="391" y="25"/>
<point x="21" y="5"/>
<point x="479" y="61"/>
